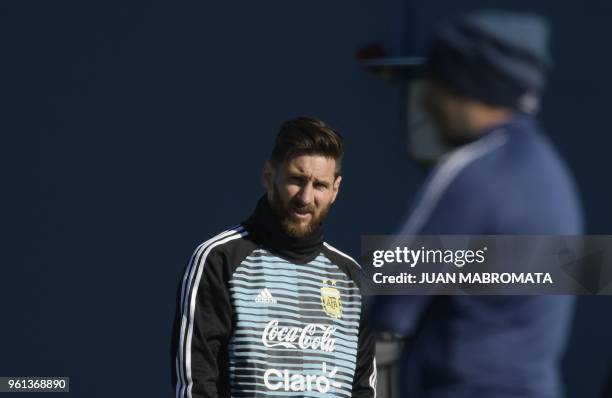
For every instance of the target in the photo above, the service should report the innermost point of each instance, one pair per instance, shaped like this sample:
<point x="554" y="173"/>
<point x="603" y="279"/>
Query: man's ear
<point x="267" y="175"/>
<point x="336" y="188"/>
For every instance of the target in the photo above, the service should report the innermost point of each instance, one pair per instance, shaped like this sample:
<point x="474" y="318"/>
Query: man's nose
<point x="306" y="194"/>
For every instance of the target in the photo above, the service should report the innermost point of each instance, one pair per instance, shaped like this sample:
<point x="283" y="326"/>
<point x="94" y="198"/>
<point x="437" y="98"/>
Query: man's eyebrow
<point x="301" y="175"/>
<point x="297" y="173"/>
<point x="324" y="182"/>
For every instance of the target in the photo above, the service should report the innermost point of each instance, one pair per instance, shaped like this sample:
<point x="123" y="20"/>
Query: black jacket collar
<point x="264" y="225"/>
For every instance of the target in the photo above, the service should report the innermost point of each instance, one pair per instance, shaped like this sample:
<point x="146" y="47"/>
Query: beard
<point x="289" y="224"/>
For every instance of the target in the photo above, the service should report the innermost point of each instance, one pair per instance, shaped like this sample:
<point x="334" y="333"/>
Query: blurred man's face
<point x="449" y="112"/>
<point x="301" y="190"/>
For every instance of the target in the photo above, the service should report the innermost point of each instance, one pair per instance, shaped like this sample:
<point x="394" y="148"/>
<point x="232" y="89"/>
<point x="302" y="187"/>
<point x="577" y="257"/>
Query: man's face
<point x="301" y="190"/>
<point x="448" y="111"/>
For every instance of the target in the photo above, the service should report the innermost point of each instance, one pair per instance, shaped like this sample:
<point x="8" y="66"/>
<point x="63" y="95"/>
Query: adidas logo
<point x="265" y="297"/>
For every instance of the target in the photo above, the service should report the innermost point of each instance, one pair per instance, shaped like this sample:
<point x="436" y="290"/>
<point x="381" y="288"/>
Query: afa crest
<point x="331" y="299"/>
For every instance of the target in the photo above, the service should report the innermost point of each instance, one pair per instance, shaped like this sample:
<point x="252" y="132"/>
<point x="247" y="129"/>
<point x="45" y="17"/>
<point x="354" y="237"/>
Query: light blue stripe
<point x="296" y="308"/>
<point x="252" y="294"/>
<point x="354" y="290"/>
<point x="291" y="267"/>
<point x="243" y="267"/>
<point x="346" y="365"/>
<point x="296" y="275"/>
<point x="320" y="261"/>
<point x="299" y="277"/>
<point x="270" y="311"/>
<point x="264" y="253"/>
<point x="345" y="353"/>
<point x="254" y="316"/>
<point x="256" y="351"/>
<point x="300" y="283"/>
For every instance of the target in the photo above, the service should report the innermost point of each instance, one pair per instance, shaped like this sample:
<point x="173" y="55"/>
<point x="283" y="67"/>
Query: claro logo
<point x="277" y="379"/>
<point x="313" y="336"/>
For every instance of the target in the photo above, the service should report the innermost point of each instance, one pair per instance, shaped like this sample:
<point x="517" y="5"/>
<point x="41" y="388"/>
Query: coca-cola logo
<point x="313" y="336"/>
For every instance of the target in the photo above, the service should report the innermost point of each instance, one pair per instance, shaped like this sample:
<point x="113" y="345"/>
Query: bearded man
<point x="268" y="307"/>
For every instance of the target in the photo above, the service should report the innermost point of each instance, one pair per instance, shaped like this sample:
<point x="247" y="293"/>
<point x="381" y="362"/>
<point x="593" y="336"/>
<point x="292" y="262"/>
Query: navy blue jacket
<point x="509" y="181"/>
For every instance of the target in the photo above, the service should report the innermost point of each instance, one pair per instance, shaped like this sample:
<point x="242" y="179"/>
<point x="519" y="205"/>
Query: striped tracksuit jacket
<point x="260" y="315"/>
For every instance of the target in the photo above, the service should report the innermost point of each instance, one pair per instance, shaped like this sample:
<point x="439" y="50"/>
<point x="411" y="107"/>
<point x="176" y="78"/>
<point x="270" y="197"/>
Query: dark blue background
<point x="130" y="133"/>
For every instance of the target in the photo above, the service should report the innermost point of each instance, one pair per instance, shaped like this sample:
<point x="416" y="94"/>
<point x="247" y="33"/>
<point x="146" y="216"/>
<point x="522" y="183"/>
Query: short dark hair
<point x="307" y="136"/>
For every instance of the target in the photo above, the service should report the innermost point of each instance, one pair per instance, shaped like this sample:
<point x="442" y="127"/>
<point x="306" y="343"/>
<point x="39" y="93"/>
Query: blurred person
<point x="484" y="75"/>
<point x="268" y="307"/>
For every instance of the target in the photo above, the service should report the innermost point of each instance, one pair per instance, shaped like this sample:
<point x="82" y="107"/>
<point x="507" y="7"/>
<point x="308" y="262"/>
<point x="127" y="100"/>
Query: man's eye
<point x="321" y="187"/>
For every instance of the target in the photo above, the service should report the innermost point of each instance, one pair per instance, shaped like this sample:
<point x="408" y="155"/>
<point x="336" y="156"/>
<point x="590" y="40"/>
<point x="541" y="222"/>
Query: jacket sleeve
<point x="202" y="328"/>
<point x="364" y="382"/>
